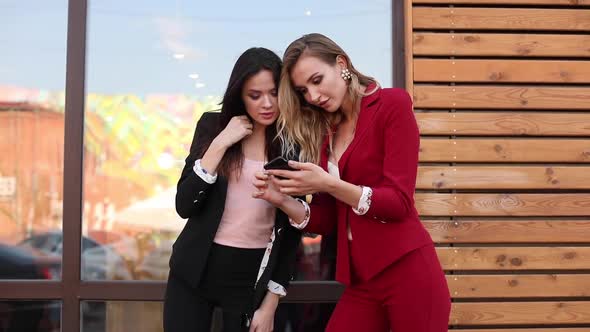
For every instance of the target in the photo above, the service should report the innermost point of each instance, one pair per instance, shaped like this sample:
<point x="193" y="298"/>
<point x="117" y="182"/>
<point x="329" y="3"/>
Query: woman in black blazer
<point x="235" y="252"/>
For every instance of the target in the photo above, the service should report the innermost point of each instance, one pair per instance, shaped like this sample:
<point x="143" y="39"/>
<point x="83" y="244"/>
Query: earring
<point x="346" y="75"/>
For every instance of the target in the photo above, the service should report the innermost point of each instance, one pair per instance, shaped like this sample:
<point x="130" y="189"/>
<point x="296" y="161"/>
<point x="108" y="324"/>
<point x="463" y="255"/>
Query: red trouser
<point x="411" y="295"/>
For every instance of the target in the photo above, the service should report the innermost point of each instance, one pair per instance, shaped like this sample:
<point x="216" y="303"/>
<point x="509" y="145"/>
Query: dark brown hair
<point x="250" y="63"/>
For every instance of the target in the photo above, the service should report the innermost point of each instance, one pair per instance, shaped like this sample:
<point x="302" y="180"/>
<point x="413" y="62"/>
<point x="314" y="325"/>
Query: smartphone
<point x="279" y="163"/>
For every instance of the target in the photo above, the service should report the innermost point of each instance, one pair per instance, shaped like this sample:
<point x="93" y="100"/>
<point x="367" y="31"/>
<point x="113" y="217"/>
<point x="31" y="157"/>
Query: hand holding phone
<point x="279" y="163"/>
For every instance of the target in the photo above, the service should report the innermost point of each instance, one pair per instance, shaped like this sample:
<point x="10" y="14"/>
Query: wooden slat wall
<point x="501" y="92"/>
<point x="507" y="2"/>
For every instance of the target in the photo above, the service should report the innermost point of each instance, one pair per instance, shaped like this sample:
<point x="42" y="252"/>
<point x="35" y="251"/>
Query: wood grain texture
<point x="552" y="329"/>
<point x="503" y="177"/>
<point x="465" y="230"/>
<point x="502" y="97"/>
<point x="513" y="258"/>
<point x="537" y="89"/>
<point x="505" y="150"/>
<point x="486" y="204"/>
<point x="508" y="2"/>
<point x="501" y="71"/>
<point x="504" y="123"/>
<point x="496" y="44"/>
<point x="505" y="313"/>
<point x="515" y="286"/>
<point x="408" y="44"/>
<point x="457" y="18"/>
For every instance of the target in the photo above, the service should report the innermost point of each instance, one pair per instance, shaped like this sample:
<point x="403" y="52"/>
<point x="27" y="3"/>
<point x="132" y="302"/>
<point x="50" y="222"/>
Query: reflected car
<point x="99" y="262"/>
<point x="19" y="263"/>
<point x="17" y="315"/>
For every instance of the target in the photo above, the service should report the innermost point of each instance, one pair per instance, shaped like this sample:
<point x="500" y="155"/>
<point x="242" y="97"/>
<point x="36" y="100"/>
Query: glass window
<point x="32" y="81"/>
<point x="153" y="68"/>
<point x="30" y="316"/>
<point x="123" y="316"/>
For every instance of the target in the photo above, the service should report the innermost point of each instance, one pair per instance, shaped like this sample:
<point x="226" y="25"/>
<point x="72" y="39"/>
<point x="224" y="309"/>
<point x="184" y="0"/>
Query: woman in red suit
<point x="358" y="146"/>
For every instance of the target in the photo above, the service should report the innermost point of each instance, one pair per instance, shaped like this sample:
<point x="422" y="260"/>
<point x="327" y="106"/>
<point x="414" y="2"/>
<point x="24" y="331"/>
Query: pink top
<point x="247" y="222"/>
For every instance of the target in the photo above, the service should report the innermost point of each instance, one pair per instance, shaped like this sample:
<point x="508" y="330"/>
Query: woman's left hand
<point x="265" y="189"/>
<point x="308" y="178"/>
<point x="263" y="320"/>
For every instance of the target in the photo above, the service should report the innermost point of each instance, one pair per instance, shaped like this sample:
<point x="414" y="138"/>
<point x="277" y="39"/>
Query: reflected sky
<point x="154" y="46"/>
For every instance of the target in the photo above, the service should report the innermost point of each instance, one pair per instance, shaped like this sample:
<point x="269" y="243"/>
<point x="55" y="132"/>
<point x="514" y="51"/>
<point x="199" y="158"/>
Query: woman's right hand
<point x="267" y="190"/>
<point x="237" y="128"/>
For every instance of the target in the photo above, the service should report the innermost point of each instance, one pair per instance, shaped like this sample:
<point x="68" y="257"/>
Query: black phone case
<point x="278" y="163"/>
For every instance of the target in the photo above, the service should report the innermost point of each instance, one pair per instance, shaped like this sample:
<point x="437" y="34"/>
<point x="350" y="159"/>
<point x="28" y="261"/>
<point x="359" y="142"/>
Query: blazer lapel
<point x="364" y="123"/>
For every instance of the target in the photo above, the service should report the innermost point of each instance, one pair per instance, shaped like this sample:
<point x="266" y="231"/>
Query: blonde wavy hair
<point x="300" y="124"/>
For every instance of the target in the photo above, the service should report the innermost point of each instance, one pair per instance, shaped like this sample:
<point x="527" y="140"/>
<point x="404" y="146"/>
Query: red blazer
<point x="384" y="156"/>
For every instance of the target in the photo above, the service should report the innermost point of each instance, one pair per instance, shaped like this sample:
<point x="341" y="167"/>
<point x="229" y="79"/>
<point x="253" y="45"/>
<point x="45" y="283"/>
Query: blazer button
<point x="196" y="201"/>
<point x="201" y="193"/>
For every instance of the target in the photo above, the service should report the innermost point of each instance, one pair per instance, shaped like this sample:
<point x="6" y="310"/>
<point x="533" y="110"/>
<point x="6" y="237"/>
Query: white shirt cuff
<point x="276" y="288"/>
<point x="203" y="174"/>
<point x="307" y="215"/>
<point x="364" y="202"/>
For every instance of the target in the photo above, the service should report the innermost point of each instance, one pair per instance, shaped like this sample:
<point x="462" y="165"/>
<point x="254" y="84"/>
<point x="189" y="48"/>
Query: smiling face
<point x="320" y="83"/>
<point x="259" y="94"/>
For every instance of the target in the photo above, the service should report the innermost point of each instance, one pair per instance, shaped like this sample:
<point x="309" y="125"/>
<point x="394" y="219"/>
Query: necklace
<point x="345" y="142"/>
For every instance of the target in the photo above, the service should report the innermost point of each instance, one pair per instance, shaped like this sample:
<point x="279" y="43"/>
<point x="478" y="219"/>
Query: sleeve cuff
<point x="276" y="288"/>
<point x="307" y="215"/>
<point x="203" y="174"/>
<point x="364" y="202"/>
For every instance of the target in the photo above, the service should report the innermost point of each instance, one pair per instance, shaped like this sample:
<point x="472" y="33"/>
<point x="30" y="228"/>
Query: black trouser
<point x="227" y="282"/>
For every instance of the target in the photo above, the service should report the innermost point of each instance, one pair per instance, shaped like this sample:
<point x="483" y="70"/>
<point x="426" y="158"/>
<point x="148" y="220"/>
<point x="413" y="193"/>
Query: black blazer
<point x="203" y="204"/>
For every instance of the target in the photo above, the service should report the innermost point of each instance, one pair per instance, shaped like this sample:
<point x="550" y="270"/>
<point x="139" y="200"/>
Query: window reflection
<point x="32" y="79"/>
<point x="30" y="316"/>
<point x="171" y="63"/>
<point x="123" y="316"/>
